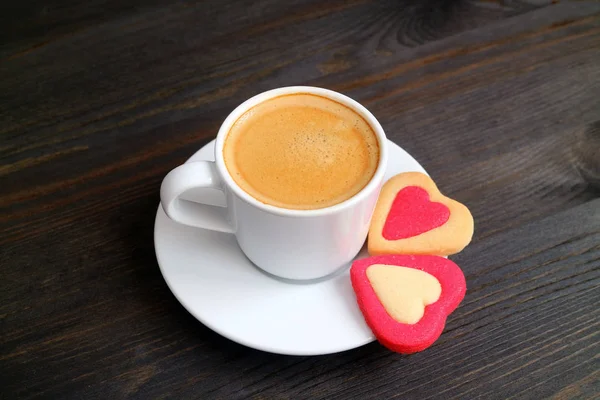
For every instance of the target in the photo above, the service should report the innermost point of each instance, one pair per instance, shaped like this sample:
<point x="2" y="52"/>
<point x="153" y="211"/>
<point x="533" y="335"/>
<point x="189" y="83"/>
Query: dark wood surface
<point x="499" y="100"/>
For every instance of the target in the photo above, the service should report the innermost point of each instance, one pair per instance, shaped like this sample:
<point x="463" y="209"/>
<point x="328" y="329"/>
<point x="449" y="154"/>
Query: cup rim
<point x="372" y="185"/>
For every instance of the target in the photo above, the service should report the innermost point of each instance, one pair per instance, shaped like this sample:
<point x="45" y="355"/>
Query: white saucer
<point x="210" y="276"/>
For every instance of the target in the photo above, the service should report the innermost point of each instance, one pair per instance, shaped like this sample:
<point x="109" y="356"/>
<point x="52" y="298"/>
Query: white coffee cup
<point x="291" y="244"/>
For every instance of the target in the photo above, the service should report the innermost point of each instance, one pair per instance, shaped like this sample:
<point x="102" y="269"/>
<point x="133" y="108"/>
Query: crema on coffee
<point x="301" y="151"/>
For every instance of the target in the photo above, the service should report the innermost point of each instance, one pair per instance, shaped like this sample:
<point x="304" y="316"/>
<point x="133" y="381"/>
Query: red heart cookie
<point x="412" y="213"/>
<point x="405" y="300"/>
<point x="413" y="217"/>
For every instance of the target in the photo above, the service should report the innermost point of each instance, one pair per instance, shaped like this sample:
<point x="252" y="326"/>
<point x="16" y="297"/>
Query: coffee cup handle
<point x="187" y="197"/>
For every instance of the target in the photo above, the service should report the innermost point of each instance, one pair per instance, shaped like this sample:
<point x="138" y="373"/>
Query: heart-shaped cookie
<point x="413" y="217"/>
<point x="405" y="300"/>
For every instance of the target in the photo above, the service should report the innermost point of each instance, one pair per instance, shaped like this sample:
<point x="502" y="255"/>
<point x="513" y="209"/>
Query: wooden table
<point x="499" y="100"/>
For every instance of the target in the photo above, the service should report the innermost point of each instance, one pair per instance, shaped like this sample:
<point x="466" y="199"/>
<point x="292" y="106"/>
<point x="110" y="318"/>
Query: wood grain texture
<point x="500" y="101"/>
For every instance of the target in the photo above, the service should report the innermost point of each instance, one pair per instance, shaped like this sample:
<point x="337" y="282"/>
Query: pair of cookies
<point x="407" y="288"/>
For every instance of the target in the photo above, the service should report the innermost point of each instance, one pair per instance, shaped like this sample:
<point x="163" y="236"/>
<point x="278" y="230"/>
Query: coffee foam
<point x="301" y="151"/>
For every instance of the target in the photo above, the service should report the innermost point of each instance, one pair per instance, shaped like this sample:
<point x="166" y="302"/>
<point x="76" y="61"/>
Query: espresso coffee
<point x="301" y="151"/>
